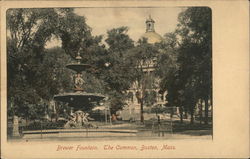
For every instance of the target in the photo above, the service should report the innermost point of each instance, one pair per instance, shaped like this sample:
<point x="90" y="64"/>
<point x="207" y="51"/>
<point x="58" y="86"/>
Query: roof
<point x="152" y="37"/>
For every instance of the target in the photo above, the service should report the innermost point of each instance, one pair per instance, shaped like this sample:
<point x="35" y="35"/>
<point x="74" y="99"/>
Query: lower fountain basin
<point x="79" y="99"/>
<point x="58" y="133"/>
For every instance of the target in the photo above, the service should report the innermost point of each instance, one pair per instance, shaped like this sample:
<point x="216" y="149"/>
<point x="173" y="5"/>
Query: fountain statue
<point x="79" y="100"/>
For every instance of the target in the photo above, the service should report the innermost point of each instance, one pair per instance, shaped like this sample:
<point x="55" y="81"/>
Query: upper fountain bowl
<point x="78" y="67"/>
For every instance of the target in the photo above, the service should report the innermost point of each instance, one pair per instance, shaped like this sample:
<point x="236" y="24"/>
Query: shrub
<point x="38" y="125"/>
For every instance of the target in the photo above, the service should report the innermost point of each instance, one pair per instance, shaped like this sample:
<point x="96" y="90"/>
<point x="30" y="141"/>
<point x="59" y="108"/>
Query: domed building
<point x="150" y="34"/>
<point x="132" y="110"/>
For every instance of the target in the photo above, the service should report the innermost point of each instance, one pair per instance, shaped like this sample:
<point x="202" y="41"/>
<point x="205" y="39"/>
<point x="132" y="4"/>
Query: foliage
<point x="31" y="68"/>
<point x="150" y="98"/>
<point x="189" y="76"/>
<point x="44" y="125"/>
<point x="142" y="58"/>
<point x="113" y="70"/>
<point x="117" y="74"/>
<point x="36" y="74"/>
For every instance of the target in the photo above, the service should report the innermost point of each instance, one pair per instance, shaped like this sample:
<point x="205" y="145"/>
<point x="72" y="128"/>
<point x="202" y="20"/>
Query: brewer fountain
<point x="79" y="100"/>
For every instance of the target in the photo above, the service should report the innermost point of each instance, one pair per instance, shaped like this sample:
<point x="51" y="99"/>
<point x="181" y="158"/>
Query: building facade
<point x="151" y="94"/>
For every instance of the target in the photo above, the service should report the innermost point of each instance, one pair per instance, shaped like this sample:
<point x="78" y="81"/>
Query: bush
<point x="97" y="116"/>
<point x="178" y="127"/>
<point x="45" y="125"/>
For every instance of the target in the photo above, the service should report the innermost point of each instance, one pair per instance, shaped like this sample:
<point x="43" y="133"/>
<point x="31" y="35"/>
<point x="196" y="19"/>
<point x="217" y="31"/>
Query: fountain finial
<point x="78" y="57"/>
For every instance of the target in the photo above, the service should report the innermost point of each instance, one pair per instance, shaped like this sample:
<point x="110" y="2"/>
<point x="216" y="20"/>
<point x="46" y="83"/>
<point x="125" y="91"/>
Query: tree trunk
<point x="142" y="117"/>
<point x="26" y="121"/>
<point x="172" y="112"/>
<point x="211" y="104"/>
<point x="56" y="111"/>
<point x="56" y="117"/>
<point x="192" y="117"/>
<point x="200" y="111"/>
<point x="181" y="114"/>
<point x="186" y="115"/>
<point x="206" y="111"/>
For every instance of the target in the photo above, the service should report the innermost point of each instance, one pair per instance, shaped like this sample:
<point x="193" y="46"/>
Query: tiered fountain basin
<point x="78" y="67"/>
<point x="77" y="99"/>
<point x="80" y="101"/>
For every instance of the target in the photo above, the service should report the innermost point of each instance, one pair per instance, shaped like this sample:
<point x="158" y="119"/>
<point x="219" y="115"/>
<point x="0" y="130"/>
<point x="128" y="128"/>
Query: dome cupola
<point x="151" y="36"/>
<point x="150" y="24"/>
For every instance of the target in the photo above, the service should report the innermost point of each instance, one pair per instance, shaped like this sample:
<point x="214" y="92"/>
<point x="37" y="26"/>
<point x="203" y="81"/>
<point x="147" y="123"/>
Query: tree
<point x="167" y="70"/>
<point x="188" y="59"/>
<point x="25" y="50"/>
<point x="195" y="30"/>
<point x="30" y="69"/>
<point x="118" y="73"/>
<point x="141" y="59"/>
<point x="113" y="69"/>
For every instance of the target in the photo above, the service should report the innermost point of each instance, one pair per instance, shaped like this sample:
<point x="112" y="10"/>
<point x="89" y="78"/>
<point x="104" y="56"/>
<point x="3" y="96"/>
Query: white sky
<point x="102" y="19"/>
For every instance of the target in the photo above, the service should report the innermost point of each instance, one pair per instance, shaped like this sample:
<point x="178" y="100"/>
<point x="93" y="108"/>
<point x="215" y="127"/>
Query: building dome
<point x="151" y="36"/>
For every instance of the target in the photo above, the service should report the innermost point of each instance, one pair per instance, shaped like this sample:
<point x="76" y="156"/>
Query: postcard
<point x="125" y="79"/>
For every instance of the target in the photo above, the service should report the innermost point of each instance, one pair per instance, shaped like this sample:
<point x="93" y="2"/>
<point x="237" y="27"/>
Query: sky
<point x="103" y="19"/>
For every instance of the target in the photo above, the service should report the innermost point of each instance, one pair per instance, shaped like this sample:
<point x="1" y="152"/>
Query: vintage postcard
<point x="124" y="79"/>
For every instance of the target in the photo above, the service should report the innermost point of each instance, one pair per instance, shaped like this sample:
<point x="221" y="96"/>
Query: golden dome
<point x="152" y="37"/>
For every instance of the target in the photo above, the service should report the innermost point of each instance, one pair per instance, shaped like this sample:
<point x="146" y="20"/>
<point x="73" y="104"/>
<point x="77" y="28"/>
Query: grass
<point x="184" y="128"/>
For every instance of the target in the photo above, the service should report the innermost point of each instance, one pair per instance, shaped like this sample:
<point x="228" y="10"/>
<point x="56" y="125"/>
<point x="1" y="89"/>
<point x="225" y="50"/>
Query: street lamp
<point x="107" y="108"/>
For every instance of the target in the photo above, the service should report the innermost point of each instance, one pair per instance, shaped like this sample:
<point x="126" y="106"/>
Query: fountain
<point x="79" y="100"/>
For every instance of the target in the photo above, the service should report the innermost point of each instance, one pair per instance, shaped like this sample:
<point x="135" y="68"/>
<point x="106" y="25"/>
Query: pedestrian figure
<point x="159" y="124"/>
<point x="160" y="130"/>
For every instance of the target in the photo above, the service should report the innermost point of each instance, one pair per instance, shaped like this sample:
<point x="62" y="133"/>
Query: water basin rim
<point x="77" y="64"/>
<point x="79" y="94"/>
